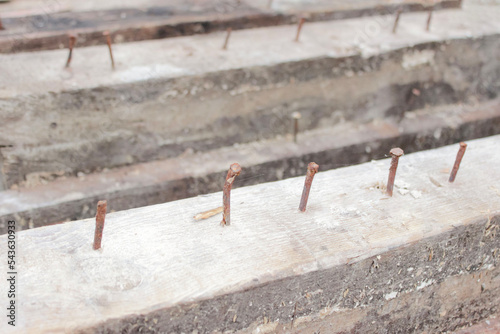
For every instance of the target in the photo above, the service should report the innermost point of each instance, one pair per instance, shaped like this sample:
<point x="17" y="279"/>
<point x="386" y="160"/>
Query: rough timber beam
<point x="171" y="96"/>
<point x="426" y="258"/>
<point x="150" y="183"/>
<point x="35" y="25"/>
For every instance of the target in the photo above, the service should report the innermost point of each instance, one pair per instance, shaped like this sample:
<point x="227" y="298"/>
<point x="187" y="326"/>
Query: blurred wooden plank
<point x="173" y="95"/>
<point x="490" y="326"/>
<point x="150" y="183"/>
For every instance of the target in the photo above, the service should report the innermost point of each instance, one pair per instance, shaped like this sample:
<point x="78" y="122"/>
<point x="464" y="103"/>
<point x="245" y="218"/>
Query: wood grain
<point x="159" y="256"/>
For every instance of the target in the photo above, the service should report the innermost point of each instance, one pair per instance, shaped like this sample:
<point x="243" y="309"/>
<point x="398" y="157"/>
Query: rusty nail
<point x="396" y="22"/>
<point x="458" y="160"/>
<point x="99" y="223"/>
<point x="296" y="116"/>
<point x="108" y="41"/>
<point x="1" y="25"/>
<point x="395" y="153"/>
<point x="233" y="171"/>
<point x="429" y="18"/>
<point x="312" y="169"/>
<point x="299" y="28"/>
<point x="227" y="38"/>
<point x="72" y="41"/>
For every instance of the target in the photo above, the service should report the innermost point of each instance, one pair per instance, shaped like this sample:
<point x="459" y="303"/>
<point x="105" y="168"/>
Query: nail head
<point x="313" y="167"/>
<point x="236" y="168"/>
<point x="396" y="152"/>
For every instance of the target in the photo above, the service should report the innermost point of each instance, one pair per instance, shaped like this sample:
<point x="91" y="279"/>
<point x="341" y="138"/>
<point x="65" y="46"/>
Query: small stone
<point x="403" y="191"/>
<point x="401" y="184"/>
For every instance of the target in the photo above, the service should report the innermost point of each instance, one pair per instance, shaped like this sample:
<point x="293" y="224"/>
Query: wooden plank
<point x="490" y="326"/>
<point x="31" y="26"/>
<point x="198" y="55"/>
<point x="172" y="95"/>
<point x="73" y="198"/>
<point x="158" y="257"/>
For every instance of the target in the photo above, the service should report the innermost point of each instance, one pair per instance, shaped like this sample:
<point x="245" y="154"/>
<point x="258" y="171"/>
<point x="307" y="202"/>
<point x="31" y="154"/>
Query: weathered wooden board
<point x="169" y="96"/>
<point x="74" y="198"/>
<point x="196" y="55"/>
<point x="31" y="25"/>
<point x="159" y="256"/>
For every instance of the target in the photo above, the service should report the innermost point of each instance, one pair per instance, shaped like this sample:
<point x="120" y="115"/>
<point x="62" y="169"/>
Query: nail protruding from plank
<point x="458" y="160"/>
<point x="312" y="169"/>
<point x="228" y="34"/>
<point x="296" y="116"/>
<point x="108" y="41"/>
<point x="99" y="223"/>
<point x="396" y="21"/>
<point x="429" y="18"/>
<point x="395" y="153"/>
<point x="1" y="25"/>
<point x="72" y="42"/>
<point x="234" y="170"/>
<point x="299" y="28"/>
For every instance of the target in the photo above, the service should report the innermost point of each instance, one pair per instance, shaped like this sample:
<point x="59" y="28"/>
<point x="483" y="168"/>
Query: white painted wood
<point x="159" y="256"/>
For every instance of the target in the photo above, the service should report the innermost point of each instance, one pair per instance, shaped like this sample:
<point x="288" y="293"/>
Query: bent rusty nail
<point x="228" y="34"/>
<point x="234" y="171"/>
<point x="395" y="153"/>
<point x="312" y="169"/>
<point x="396" y="21"/>
<point x="299" y="28"/>
<point x="429" y="18"/>
<point x="108" y="41"/>
<point x="99" y="223"/>
<point x="458" y="160"/>
<point x="72" y="42"/>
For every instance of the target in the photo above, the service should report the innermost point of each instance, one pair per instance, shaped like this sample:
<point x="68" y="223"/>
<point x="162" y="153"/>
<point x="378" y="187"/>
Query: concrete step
<point x="196" y="173"/>
<point x="185" y="94"/>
